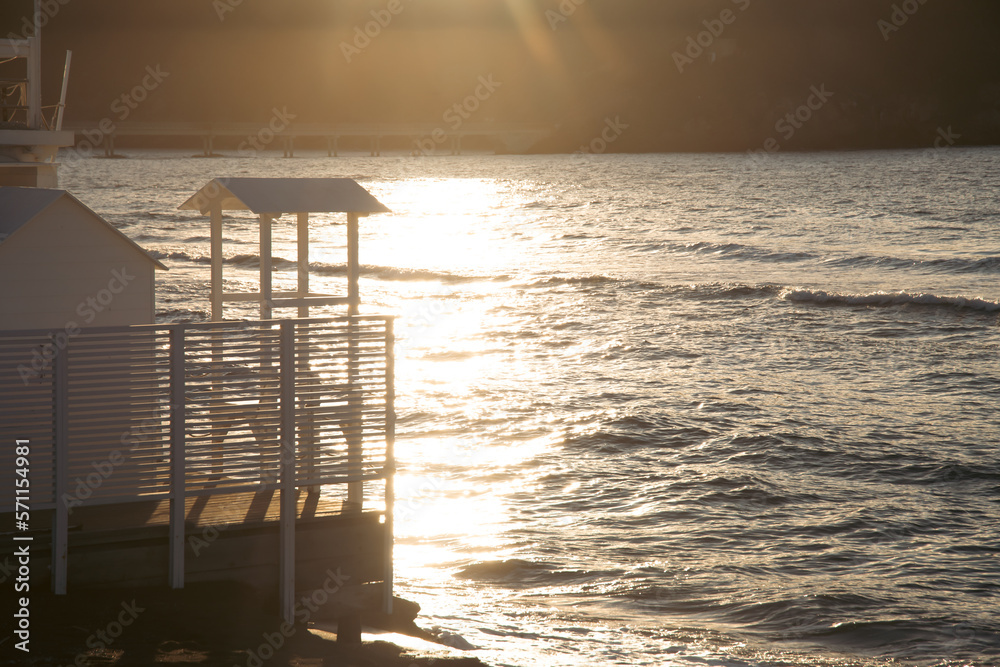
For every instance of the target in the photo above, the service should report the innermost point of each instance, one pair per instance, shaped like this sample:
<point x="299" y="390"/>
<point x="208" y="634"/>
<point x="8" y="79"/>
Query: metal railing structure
<point x="289" y="132"/>
<point x="171" y="411"/>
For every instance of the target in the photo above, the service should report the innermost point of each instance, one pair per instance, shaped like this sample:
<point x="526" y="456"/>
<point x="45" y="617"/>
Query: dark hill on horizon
<point x="683" y="75"/>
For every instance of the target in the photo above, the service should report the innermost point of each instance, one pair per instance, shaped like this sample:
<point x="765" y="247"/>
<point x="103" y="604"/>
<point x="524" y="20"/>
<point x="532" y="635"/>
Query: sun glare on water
<point x="439" y="224"/>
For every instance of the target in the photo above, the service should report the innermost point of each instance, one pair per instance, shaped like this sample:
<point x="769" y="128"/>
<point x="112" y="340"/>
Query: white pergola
<point x="270" y="198"/>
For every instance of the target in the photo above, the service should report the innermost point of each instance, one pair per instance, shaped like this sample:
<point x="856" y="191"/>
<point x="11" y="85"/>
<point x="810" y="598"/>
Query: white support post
<point x="265" y="266"/>
<point x="307" y="437"/>
<point x="353" y="263"/>
<point x="355" y="438"/>
<point x="354" y="434"/>
<point x="288" y="504"/>
<point x="35" y="121"/>
<point x="62" y="95"/>
<point x="303" y="261"/>
<point x="60" y="525"/>
<point x="390" y="459"/>
<point x="217" y="305"/>
<point x="177" y="459"/>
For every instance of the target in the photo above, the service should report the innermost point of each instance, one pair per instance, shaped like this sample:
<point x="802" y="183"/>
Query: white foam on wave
<point x="889" y="299"/>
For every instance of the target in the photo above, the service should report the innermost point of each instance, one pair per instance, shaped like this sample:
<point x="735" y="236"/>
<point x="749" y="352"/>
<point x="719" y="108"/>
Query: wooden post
<point x="288" y="505"/>
<point x="60" y="524"/>
<point x="265" y="266"/>
<point x="177" y="459"/>
<point x="217" y="307"/>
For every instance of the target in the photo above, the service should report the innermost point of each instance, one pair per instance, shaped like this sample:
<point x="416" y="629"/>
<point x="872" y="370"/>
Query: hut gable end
<point x="63" y="265"/>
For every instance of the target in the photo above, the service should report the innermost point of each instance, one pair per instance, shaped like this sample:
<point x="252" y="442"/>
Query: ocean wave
<point x="731" y="290"/>
<point x="384" y="273"/>
<point x="387" y="273"/>
<point x="741" y="251"/>
<point x="586" y="281"/>
<point x="888" y="299"/>
<point x="520" y="573"/>
<point x="945" y="265"/>
<point x="181" y="315"/>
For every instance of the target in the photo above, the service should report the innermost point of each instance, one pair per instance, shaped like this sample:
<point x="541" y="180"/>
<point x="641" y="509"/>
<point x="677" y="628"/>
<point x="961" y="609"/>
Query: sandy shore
<point x="211" y="625"/>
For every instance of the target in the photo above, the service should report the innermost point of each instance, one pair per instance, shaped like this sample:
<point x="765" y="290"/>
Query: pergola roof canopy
<point x="275" y="196"/>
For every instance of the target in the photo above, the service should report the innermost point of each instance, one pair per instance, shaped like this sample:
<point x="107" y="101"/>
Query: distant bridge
<point x="280" y="132"/>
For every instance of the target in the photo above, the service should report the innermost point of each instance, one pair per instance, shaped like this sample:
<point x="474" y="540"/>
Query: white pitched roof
<point x="285" y="195"/>
<point x="19" y="206"/>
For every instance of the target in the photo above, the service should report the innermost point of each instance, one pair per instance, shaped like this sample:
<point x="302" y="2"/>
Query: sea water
<point x="663" y="409"/>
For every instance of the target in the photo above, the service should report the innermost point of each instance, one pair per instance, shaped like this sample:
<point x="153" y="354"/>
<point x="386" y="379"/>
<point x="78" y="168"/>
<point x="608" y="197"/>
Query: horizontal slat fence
<point x="122" y="414"/>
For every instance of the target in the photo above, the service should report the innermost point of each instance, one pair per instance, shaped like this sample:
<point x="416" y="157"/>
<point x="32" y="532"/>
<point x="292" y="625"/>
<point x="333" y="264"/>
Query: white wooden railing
<point x="170" y="411"/>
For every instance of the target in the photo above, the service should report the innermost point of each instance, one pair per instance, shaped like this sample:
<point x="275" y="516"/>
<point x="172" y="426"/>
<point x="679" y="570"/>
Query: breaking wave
<point x="386" y="273"/>
<point x="738" y="251"/>
<point x="889" y="299"/>
<point x="949" y="265"/>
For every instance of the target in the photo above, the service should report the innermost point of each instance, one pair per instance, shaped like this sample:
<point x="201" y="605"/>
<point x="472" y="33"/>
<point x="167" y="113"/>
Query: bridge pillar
<point x="207" y="145"/>
<point x="109" y="145"/>
<point x="288" y="146"/>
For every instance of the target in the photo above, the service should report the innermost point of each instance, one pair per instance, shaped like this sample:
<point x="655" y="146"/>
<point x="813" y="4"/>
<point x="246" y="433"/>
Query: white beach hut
<point x="279" y="433"/>
<point x="62" y="266"/>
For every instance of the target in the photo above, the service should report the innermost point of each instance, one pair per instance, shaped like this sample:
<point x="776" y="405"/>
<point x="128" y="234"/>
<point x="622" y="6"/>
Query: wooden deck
<point x="203" y="511"/>
<point x="229" y="537"/>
